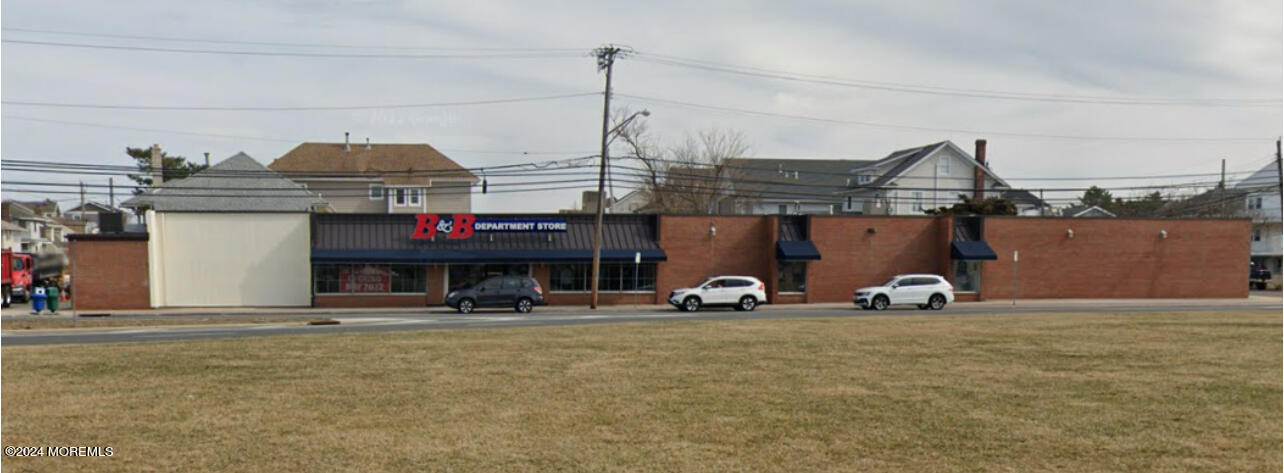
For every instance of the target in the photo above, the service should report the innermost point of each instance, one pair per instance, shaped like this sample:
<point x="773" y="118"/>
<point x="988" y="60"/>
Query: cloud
<point x="1101" y="48"/>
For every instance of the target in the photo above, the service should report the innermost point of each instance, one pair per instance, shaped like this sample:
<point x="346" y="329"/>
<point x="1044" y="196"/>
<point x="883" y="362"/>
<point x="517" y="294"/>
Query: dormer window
<point x="864" y="179"/>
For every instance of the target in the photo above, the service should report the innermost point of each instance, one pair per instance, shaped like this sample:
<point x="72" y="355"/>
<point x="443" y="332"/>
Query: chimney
<point x="207" y="159"/>
<point x="158" y="166"/>
<point x="978" y="180"/>
<point x="346" y="146"/>
<point x="367" y="142"/>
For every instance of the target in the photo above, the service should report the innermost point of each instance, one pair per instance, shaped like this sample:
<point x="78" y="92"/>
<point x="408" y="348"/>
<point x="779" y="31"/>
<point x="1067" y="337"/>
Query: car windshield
<point x="705" y="283"/>
<point x="890" y="282"/>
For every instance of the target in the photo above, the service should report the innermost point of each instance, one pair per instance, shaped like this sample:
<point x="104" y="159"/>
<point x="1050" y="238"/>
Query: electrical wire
<point x="652" y="101"/>
<point x="262" y="138"/>
<point x="467" y="56"/>
<point x="284" y="44"/>
<point x="296" y="108"/>
<point x="674" y="61"/>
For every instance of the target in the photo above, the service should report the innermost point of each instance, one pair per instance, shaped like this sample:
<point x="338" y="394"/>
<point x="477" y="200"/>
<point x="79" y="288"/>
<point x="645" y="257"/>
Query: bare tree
<point x="692" y="176"/>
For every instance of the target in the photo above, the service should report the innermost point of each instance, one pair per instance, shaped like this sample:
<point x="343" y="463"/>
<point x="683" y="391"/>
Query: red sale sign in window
<point x="365" y="279"/>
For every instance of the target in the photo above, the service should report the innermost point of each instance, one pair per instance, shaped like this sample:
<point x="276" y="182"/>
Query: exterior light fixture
<point x="1163" y="234"/>
<point x="1069" y="233"/>
<point x="871" y="230"/>
<point x="713" y="230"/>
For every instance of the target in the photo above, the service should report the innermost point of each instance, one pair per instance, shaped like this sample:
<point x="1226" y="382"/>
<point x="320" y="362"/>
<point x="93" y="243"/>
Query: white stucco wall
<point x="229" y="259"/>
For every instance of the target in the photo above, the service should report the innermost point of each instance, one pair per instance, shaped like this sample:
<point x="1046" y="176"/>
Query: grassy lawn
<point x="1053" y="392"/>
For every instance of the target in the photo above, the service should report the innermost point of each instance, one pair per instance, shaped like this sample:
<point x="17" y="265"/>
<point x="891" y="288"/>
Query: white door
<point x="906" y="291"/>
<point x="715" y="292"/>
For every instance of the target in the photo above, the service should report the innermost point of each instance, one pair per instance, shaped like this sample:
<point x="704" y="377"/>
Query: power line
<point x="870" y="163"/>
<point x="263" y="138"/>
<point x="297" y="108"/>
<point x="469" y="56"/>
<point x="516" y="169"/>
<point x="285" y="44"/>
<point x="924" y="128"/>
<point x="674" y="61"/>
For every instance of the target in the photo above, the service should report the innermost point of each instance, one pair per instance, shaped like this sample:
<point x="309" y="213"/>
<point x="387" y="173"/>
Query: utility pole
<point x="82" y="200"/>
<point x="1279" y="168"/>
<point x="605" y="61"/>
<point x="1222" y="183"/>
<point x="111" y="193"/>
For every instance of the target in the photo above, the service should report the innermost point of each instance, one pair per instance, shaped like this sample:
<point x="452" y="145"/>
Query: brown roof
<point x="77" y="226"/>
<point x="420" y="161"/>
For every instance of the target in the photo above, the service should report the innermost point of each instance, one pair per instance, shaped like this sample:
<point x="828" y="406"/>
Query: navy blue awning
<point x="481" y="256"/>
<point x="796" y="250"/>
<point x="972" y="250"/>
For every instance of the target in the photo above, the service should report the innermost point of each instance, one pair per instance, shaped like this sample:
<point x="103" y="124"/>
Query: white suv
<point x="927" y="291"/>
<point x="741" y="292"/>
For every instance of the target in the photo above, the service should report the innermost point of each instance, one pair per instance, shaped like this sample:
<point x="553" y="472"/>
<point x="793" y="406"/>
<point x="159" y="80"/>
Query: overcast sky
<point x="1165" y="49"/>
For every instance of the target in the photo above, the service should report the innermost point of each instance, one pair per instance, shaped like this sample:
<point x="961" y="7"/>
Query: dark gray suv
<point x="522" y="293"/>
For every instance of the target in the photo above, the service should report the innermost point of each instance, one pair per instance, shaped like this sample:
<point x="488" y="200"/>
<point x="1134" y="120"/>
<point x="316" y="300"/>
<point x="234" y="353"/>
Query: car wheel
<point x="937" y="302"/>
<point x="747" y="303"/>
<point x="691" y="304"/>
<point x="881" y="303"/>
<point x="524" y="306"/>
<point x="923" y="306"/>
<point x="466" y="306"/>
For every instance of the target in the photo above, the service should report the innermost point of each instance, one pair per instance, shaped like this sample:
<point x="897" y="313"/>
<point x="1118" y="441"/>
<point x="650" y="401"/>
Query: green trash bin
<point x="52" y="292"/>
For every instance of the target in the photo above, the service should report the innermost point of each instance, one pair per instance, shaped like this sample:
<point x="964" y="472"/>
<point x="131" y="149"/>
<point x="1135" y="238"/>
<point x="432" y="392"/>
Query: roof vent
<point x="346" y="146"/>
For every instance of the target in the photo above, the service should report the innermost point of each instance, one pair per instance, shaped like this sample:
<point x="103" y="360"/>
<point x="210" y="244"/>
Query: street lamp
<point x="615" y="132"/>
<point x="607" y="137"/>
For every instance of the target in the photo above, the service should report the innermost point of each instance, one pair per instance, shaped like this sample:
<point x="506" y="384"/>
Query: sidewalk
<point x="1158" y="304"/>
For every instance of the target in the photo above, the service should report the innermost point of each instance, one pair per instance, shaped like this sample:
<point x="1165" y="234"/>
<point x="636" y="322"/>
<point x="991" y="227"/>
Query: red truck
<point x="21" y="269"/>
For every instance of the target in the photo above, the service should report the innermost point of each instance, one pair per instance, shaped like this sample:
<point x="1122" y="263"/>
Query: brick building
<point x="374" y="260"/>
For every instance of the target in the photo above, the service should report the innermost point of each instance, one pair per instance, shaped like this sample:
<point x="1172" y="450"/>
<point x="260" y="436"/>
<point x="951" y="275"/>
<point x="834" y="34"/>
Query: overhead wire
<point x="674" y="61"/>
<point x="242" y="52"/>
<point x="282" y="44"/>
<point x="652" y="101"/>
<point x="295" y="108"/>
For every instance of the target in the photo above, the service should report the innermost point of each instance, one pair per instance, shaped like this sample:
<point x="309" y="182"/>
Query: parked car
<point x="740" y="292"/>
<point x="927" y="291"/>
<point x="1258" y="276"/>
<point x="522" y="293"/>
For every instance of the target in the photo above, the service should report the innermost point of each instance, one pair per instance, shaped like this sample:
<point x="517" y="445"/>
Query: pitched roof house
<point x="380" y="178"/>
<point x="237" y="184"/>
<point x="905" y="182"/>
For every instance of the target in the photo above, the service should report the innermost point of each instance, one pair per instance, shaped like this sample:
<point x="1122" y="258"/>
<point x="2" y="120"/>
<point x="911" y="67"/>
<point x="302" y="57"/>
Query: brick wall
<point x="852" y="257"/>
<point x="1116" y="258"/>
<point x="742" y="246"/>
<point x="109" y="274"/>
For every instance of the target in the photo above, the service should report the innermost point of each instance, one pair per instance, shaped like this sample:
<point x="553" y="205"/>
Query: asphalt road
<point x="438" y="320"/>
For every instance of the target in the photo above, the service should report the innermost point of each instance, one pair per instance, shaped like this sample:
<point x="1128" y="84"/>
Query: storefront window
<point x="792" y="277"/>
<point x="967" y="276"/>
<point x="369" y="278"/>
<point x="614" y="277"/>
<point x="466" y="275"/>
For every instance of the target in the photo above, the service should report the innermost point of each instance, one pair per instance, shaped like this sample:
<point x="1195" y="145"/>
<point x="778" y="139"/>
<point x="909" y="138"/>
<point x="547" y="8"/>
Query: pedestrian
<point x="52" y="294"/>
<point x="38" y="298"/>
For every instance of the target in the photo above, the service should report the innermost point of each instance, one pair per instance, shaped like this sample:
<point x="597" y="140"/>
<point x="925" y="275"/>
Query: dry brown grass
<point x="1055" y="392"/>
